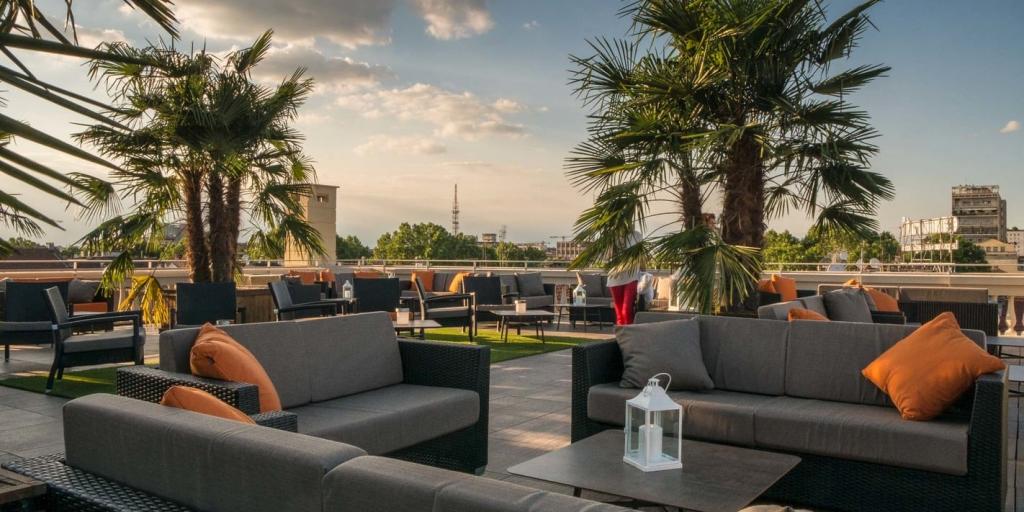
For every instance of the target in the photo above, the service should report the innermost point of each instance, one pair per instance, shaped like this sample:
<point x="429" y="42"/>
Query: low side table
<point x="531" y="317"/>
<point x="413" y="325"/>
<point x="20" y="493"/>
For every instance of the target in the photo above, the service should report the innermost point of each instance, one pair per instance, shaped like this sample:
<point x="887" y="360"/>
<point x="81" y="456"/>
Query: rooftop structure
<point x="320" y="208"/>
<point x="981" y="212"/>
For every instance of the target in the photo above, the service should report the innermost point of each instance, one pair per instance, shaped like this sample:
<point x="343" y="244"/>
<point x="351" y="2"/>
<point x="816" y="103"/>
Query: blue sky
<point x="416" y="95"/>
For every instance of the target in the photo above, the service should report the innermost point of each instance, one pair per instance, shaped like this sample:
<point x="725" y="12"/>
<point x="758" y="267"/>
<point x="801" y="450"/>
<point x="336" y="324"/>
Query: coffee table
<point x="532" y="317"/>
<point x="413" y="325"/>
<point x="19" y="492"/>
<point x="714" y="477"/>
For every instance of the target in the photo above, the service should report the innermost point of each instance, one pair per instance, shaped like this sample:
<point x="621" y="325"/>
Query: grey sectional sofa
<point x="796" y="387"/>
<point x="841" y="309"/>
<point x="972" y="307"/>
<point x="171" y="459"/>
<point x="349" y="379"/>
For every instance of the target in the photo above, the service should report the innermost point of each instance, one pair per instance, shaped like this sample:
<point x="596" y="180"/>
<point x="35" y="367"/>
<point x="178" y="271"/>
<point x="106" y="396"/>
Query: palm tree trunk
<point x="222" y="265"/>
<point x="233" y="216"/>
<point x="743" y="201"/>
<point x="689" y="195"/>
<point x="196" y="252"/>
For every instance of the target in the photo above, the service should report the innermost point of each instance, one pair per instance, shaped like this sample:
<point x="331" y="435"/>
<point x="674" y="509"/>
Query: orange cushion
<point x="852" y="282"/>
<point x="89" y="307"/>
<point x="765" y="285"/>
<point x="197" y="400"/>
<point x="369" y="274"/>
<point x="927" y="371"/>
<point x="456" y="284"/>
<point x="805" y="314"/>
<point x="327" y="276"/>
<point x="784" y="286"/>
<point x="883" y="301"/>
<point x="217" y="355"/>
<point x="426" y="279"/>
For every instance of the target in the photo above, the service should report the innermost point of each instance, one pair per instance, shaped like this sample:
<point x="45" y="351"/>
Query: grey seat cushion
<point x="862" y="432"/>
<point x="779" y="310"/>
<point x="388" y="419"/>
<point x="719" y="416"/>
<point x="848" y="305"/>
<point x="815" y="303"/>
<point x="25" y="326"/>
<point x="376" y="483"/>
<point x="103" y="340"/>
<point x="199" y="461"/>
<point x="530" y="284"/>
<point x="825" y="359"/>
<point x="665" y="347"/>
<point x="447" y="312"/>
<point x="539" y="301"/>
<point x="592" y="283"/>
<point x="744" y="354"/>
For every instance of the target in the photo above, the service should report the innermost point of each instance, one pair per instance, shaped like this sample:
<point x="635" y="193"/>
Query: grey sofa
<point x="972" y="307"/>
<point x="528" y="286"/>
<point x="349" y="379"/>
<point x="839" y="310"/>
<point x="796" y="387"/>
<point x="171" y="459"/>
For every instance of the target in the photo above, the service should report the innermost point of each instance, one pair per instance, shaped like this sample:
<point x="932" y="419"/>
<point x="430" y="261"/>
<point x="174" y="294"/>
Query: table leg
<point x="542" y="340"/>
<point x="576" y="492"/>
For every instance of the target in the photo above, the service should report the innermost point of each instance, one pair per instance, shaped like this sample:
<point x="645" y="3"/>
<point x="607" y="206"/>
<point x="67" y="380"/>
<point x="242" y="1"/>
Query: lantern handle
<point x="655" y="378"/>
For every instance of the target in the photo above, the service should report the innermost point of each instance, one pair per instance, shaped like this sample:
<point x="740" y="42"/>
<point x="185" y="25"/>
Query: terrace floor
<point x="529" y="408"/>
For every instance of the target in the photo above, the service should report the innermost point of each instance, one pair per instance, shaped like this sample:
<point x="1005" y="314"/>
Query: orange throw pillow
<point x="852" y="282"/>
<point x="197" y="400"/>
<point x="883" y="301"/>
<point x="456" y="284"/>
<point x="765" y="285"/>
<point x="426" y="279"/>
<point x="217" y="355"/>
<point x="368" y="274"/>
<point x="784" y="286"/>
<point x="805" y="314"/>
<point x="927" y="371"/>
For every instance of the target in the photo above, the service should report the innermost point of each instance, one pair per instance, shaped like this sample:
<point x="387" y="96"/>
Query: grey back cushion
<point x="646" y="317"/>
<point x="671" y="347"/>
<point x="199" y="461"/>
<point x="278" y="346"/>
<point x="848" y="305"/>
<point x="509" y="283"/>
<point x="592" y="283"/>
<point x="530" y="284"/>
<point x="778" y="311"/>
<point x="825" y="359"/>
<point x="815" y="303"/>
<point x="82" y="291"/>
<point x="744" y="354"/>
<point x="350" y="354"/>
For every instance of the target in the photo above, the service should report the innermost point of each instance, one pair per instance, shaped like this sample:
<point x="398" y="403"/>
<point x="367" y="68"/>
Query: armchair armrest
<point x="448" y="297"/>
<point x="986" y="439"/>
<point x="592" y="364"/>
<point x="150" y="384"/>
<point x="549" y="289"/>
<point x="306" y="306"/>
<point x="86" y="320"/>
<point x="281" y="420"/>
<point x="887" y="317"/>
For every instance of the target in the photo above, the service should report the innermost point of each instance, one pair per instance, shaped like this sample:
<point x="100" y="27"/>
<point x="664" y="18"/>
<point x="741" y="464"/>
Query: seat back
<point x="744" y="354"/>
<point x="486" y="289"/>
<point x="198" y="303"/>
<point x="377" y="294"/>
<point x="279" y="292"/>
<point x="943" y="294"/>
<point x="28" y="302"/>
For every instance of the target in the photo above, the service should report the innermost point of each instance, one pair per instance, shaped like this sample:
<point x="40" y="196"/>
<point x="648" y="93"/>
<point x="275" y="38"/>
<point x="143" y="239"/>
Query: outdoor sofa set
<point x="796" y="387"/>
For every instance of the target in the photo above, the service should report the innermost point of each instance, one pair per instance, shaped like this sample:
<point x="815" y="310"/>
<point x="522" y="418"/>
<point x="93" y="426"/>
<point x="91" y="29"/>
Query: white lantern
<point x="346" y="290"/>
<point x="654" y="429"/>
<point x="579" y="295"/>
<point x="403" y="316"/>
<point x="520" y="306"/>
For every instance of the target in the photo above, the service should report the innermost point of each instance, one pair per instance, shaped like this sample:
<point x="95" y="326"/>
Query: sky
<point x="414" y="96"/>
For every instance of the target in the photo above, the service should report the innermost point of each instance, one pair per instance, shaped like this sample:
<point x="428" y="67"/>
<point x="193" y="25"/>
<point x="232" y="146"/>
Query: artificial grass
<point x="101" y="380"/>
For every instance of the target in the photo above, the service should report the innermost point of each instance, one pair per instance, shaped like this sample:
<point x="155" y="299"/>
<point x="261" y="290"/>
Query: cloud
<point x="507" y="105"/>
<point x="93" y="37"/>
<point x="530" y="25"/>
<point x="454" y="19"/>
<point x="1010" y="126"/>
<point x="452" y="114"/>
<point x="400" y="144"/>
<point x="328" y="72"/>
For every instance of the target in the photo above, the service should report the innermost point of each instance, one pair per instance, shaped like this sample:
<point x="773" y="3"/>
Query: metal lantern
<point x="654" y="429"/>
<point x="579" y="295"/>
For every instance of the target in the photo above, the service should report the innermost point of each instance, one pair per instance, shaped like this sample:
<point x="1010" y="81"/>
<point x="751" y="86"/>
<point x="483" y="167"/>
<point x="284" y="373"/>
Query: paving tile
<point x="30" y="438"/>
<point x="15" y="419"/>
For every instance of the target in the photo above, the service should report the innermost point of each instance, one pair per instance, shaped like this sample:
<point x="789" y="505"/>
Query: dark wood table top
<point x="714" y="477"/>
<point x="15" y="487"/>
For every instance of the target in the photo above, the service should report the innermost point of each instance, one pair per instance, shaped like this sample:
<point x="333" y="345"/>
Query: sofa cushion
<point x="719" y="416"/>
<point x="785" y="287"/>
<point x="285" y="362"/>
<point x="778" y="311"/>
<point x="426" y="279"/>
<point x="805" y="314"/>
<point x="815" y="303"/>
<point x="592" y="284"/>
<point x="539" y="301"/>
<point x="508" y="283"/>
<point x="927" y="371"/>
<point x="376" y="483"/>
<point x="388" y="419"/>
<point x="216" y="356"/>
<point x="455" y="285"/>
<point x="825" y="359"/>
<point x="530" y="284"/>
<point x="744" y="354"/>
<point x="80" y="291"/>
<point x="671" y="347"/>
<point x="862" y="432"/>
<point x="442" y="280"/>
<point x="199" y="461"/>
<point x="350" y="354"/>
<point x="848" y="305"/>
<point x="197" y="400"/>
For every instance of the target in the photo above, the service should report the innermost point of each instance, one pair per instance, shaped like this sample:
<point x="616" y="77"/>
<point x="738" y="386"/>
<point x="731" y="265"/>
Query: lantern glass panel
<point x="635" y="418"/>
<point x="669" y="423"/>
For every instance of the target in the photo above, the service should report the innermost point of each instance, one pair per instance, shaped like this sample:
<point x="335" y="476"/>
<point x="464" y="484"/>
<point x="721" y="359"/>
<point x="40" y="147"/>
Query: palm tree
<point x="206" y="145"/>
<point x="25" y="28"/>
<point x="737" y="97"/>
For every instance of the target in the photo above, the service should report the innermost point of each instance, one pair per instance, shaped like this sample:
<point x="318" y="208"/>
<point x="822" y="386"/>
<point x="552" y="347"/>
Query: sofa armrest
<point x="986" y="441"/>
<point x="150" y="384"/>
<point x="887" y="317"/>
<point x="281" y="420"/>
<point x="592" y="364"/>
<point x="446" y="365"/>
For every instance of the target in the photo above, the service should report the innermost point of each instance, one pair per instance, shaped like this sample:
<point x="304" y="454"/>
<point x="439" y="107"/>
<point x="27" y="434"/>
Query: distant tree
<point x="535" y="254"/>
<point x="968" y="252"/>
<point x="783" y="248"/>
<point x="23" y="243"/>
<point x="508" y="251"/>
<point x="426" y="241"/>
<point x="351" y="248"/>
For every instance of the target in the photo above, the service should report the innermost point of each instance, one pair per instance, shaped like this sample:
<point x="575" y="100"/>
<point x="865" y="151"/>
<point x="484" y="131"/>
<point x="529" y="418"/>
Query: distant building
<point x="980" y="211"/>
<point x="928" y="235"/>
<point x="34" y="258"/>
<point x="567" y="250"/>
<point x="1016" y="237"/>
<point x="488" y="239"/>
<point x="320" y="211"/>
<point x="1001" y="255"/>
